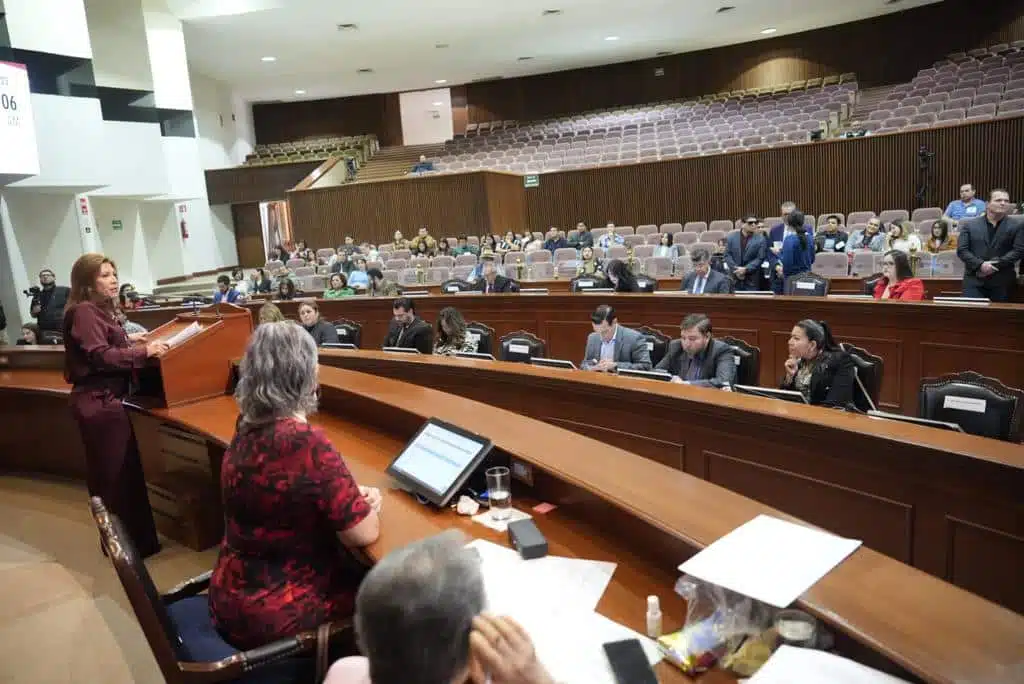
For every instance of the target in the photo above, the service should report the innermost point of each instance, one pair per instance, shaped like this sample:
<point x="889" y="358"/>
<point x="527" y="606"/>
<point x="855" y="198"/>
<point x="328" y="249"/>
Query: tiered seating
<point x="984" y="84"/>
<point x="714" y="124"/>
<point x="359" y="148"/>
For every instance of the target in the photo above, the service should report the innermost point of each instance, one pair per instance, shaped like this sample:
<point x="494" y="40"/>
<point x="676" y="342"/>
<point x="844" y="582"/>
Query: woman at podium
<point x="99" y="361"/>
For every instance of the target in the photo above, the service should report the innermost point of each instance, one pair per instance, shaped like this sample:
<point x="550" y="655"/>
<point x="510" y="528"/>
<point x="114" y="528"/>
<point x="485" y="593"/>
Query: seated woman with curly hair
<point x="452" y="336"/>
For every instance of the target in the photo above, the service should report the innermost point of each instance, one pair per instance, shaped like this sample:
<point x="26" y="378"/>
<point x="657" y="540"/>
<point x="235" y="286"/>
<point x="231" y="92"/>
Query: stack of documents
<point x="183" y="335"/>
<point x="554" y="599"/>
<point x="791" y="665"/>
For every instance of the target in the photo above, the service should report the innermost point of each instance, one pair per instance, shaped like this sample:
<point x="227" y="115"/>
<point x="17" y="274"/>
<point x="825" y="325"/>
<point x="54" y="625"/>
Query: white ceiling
<point x="226" y="39"/>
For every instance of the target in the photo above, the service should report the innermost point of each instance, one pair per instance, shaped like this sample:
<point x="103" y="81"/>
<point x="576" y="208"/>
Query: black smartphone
<point x="629" y="662"/>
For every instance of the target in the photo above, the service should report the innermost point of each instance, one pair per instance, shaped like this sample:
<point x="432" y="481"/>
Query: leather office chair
<point x="806" y="285"/>
<point x="978" y="404"/>
<point x="748" y="366"/>
<point x="657" y="342"/>
<point x="647" y="283"/>
<point x="521" y="346"/>
<point x="348" y="331"/>
<point x="869" y="376"/>
<point x="486" y="333"/>
<point x="870" y="282"/>
<point x="180" y="632"/>
<point x="455" y="285"/>
<point x="591" y="282"/>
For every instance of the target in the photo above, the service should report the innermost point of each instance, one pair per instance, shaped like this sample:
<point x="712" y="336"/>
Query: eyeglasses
<point x="751" y="223"/>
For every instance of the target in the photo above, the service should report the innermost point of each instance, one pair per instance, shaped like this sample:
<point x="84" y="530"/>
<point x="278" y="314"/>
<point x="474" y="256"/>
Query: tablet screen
<point x="438" y="460"/>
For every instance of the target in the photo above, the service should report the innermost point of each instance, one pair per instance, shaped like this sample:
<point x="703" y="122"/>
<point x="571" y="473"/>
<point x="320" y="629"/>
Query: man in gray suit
<point x="697" y="358"/>
<point x="745" y="251"/>
<point x="990" y="246"/>
<point x="612" y="346"/>
<point x="703" y="279"/>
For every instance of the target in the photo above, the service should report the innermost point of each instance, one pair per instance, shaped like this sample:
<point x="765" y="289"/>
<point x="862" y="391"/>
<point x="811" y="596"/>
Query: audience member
<point x="718" y="262"/>
<point x="702" y="279"/>
<point x="744" y="253"/>
<point x="379" y="287"/>
<point x="531" y="243"/>
<point x="99" y="360"/>
<point x="419" y="610"/>
<point x="224" y="291"/>
<point x="370" y="251"/>
<point x="321" y="331"/>
<point x="900" y="238"/>
<point x="584" y="238"/>
<point x="291" y="506"/>
<point x="588" y="264"/>
<point x="357" y="277"/>
<point x="270" y="313"/>
<point x="612" y="346"/>
<point x="337" y="287"/>
<point x="871" y="237"/>
<point x="817" y="367"/>
<point x="349" y="248"/>
<point x="423" y="250"/>
<point x="423" y="165"/>
<point x="407" y="330"/>
<point x="239" y="282"/>
<point x="30" y="335"/>
<point x="898" y="281"/>
<point x="286" y="289"/>
<point x="490" y="282"/>
<point x="48" y="304"/>
<point x="399" y="242"/>
<point x="259" y="281"/>
<point x="464" y="247"/>
<point x="621" y="278"/>
<point x="488" y="242"/>
<point x="832" y="238"/>
<point x="128" y="298"/>
<point x="556" y="240"/>
<point x="990" y="246"/>
<point x="940" y="239"/>
<point x="452" y="336"/>
<point x="278" y="253"/>
<point x="797" y="251"/>
<point x="444" y="248"/>
<point x="665" y="248"/>
<point x="610" y="239"/>
<point x="423" y="237"/>
<point x="967" y="207"/>
<point x="780" y="230"/>
<point x="696" y="358"/>
<point x="508" y="243"/>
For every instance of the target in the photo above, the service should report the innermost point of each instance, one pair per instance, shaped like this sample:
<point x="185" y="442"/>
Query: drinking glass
<point x="499" y="492"/>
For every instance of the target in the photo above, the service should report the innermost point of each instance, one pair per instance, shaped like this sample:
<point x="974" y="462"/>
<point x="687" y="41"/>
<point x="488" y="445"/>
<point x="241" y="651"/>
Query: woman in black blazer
<point x="817" y="367"/>
<point x="621" y="277"/>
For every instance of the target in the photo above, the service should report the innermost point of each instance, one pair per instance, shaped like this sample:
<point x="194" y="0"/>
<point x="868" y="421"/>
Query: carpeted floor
<point x="63" y="615"/>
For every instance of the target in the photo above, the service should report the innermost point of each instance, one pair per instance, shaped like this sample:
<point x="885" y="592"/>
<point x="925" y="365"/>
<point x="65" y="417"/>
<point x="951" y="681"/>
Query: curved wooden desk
<point x="612" y="505"/>
<point x="916" y="340"/>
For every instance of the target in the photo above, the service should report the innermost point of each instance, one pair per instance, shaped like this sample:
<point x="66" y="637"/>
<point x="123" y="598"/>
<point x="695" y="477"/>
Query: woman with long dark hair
<point x="817" y="367"/>
<point x="898" y="281"/>
<point x="99" y="358"/>
<point x="286" y="289"/>
<point x="940" y="240"/>
<point x="452" y="335"/>
<point x="797" y="251"/>
<point x="621" y="277"/>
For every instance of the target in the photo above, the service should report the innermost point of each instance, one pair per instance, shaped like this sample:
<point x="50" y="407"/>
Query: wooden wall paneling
<point x="249" y="234"/>
<point x="460" y="110"/>
<point x="390" y="133"/>
<point x="288" y="121"/>
<point x="255" y="183"/>
<point x="506" y="204"/>
<point x="970" y="549"/>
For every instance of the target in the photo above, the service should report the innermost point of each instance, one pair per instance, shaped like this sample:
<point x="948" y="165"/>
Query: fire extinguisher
<point x="184" y="229"/>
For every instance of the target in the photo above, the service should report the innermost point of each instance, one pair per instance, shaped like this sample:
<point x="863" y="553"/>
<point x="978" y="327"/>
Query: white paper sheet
<point x="183" y="335"/>
<point x="485" y="519"/>
<point x="792" y="665"/>
<point x="770" y="560"/>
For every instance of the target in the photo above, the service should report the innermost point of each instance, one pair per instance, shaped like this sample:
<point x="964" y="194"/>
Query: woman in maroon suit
<point x="99" y="360"/>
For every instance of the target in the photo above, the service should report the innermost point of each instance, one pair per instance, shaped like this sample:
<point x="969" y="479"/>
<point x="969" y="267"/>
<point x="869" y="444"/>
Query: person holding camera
<point x="48" y="302"/>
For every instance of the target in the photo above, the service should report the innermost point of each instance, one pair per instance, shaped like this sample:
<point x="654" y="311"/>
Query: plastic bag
<point x="718" y="621"/>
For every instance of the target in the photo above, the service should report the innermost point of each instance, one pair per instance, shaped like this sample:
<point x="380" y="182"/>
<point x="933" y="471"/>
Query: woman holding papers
<point x="99" y="359"/>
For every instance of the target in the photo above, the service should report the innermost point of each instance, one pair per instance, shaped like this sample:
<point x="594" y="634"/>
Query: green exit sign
<point x="531" y="181"/>
<point x="116" y="224"/>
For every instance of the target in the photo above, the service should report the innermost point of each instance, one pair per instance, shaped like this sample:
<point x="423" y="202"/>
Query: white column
<point x="120" y="56"/>
<point x="54" y="26"/>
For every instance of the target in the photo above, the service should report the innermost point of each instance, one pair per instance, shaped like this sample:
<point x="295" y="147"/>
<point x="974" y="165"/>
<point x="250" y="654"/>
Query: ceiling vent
<point x="364" y="71"/>
<point x="348" y="27"/>
<point x="551" y="13"/>
<point x="724" y="9"/>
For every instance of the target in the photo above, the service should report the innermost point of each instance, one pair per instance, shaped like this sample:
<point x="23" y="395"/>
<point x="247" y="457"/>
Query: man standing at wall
<point x="48" y="304"/>
<point x="990" y="247"/>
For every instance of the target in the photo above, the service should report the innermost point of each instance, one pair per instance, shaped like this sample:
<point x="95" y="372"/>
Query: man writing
<point x="696" y="358"/>
<point x="612" y="346"/>
<point x="704" y="280"/>
<point x="990" y="247"/>
<point x="744" y="253"/>
<point x="490" y="282"/>
<point x="48" y="304"/>
<point x="407" y="330"/>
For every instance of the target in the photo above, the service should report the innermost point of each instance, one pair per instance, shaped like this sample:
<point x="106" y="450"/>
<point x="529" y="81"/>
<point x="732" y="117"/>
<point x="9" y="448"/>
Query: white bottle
<point x="653" y="617"/>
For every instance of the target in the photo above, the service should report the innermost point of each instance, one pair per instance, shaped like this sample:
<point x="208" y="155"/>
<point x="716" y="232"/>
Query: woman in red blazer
<point x="898" y="281"/>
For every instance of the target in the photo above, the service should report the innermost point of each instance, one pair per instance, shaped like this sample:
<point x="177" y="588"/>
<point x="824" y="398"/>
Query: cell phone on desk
<point x="629" y="662"/>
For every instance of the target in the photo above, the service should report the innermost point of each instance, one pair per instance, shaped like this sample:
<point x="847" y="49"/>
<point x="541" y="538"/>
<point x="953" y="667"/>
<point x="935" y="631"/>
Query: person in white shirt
<point x="902" y="239"/>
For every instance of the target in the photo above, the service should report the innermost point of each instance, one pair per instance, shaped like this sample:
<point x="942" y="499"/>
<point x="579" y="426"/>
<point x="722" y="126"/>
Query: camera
<point x="32" y="292"/>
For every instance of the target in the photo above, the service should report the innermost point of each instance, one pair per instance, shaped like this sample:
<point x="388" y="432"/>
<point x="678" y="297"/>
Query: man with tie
<point x="745" y="251"/>
<point x="491" y="282"/>
<point x="704" y="280"/>
<point x="612" y="346"/>
<point x="408" y="330"/>
<point x="990" y="247"/>
<point x="697" y="358"/>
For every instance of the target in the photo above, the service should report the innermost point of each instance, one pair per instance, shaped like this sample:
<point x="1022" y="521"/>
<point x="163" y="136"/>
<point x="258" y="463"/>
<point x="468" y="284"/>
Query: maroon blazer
<point x="97" y="353"/>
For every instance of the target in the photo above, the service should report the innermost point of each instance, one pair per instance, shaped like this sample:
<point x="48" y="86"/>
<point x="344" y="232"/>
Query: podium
<point x="199" y="367"/>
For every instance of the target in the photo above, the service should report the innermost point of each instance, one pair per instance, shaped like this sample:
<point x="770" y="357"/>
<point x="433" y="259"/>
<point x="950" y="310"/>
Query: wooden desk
<point x="612" y="505"/>
<point x="916" y="340"/>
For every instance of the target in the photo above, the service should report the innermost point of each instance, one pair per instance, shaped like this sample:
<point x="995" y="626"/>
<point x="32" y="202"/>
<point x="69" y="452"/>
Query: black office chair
<point x="348" y="331"/>
<point x="455" y="285"/>
<point x="806" y="285"/>
<point x="978" y="404"/>
<point x="588" y="282"/>
<point x="657" y="342"/>
<point x="870" y="282"/>
<point x="486" y="333"/>
<point x="521" y="346"/>
<point x="869" y="376"/>
<point x="748" y="361"/>
<point x="647" y="283"/>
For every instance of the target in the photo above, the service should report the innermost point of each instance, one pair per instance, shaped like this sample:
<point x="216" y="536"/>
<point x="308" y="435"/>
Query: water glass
<point x="499" y="492"/>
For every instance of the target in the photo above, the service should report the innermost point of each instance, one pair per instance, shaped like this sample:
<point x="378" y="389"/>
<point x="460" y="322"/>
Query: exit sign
<point x="531" y="181"/>
<point x="116" y="224"/>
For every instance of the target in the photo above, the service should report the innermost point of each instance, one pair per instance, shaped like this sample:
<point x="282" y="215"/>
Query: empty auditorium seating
<point x="360" y="148"/>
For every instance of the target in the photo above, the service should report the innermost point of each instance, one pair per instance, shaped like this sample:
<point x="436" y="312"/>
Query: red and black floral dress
<point x="281" y="568"/>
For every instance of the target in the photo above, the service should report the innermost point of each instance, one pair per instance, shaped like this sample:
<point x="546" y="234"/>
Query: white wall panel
<point x="71" y="142"/>
<point x="134" y="159"/>
<point x="55" y="26"/>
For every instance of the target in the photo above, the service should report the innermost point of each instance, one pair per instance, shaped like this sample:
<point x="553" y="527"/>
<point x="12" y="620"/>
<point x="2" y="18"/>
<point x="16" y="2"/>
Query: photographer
<point x="48" y="303"/>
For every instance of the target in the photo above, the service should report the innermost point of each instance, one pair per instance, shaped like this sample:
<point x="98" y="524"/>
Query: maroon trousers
<point x="114" y="470"/>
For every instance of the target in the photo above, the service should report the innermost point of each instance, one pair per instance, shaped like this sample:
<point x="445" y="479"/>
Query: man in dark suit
<point x="407" y="330"/>
<point x="491" y="282"/>
<point x="990" y="247"/>
<point x="48" y="305"/>
<point x="704" y="280"/>
<point x="612" y="346"/>
<point x="745" y="251"/>
<point x="697" y="358"/>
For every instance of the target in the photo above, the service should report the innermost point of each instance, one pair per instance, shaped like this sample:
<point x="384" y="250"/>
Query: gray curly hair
<point x="278" y="375"/>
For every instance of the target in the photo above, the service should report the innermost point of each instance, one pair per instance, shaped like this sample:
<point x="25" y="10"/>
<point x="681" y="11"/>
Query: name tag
<point x="650" y="346"/>
<point x="805" y="286"/>
<point x="451" y="288"/>
<point x="830" y="244"/>
<point x="584" y="283"/>
<point x="519" y="348"/>
<point x="964" y="404"/>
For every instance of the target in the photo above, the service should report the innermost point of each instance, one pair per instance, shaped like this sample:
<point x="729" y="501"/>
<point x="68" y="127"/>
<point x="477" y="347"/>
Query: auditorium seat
<point x="521" y="346"/>
<point x="293" y="264"/>
<point x="831" y="264"/>
<point x="391" y="275"/>
<point x="947" y="264"/>
<point x="325" y="253"/>
<point x="623" y="230"/>
<point x="348" y="331"/>
<point x="657" y="342"/>
<point x="685" y="239"/>
<point x="616" y="252"/>
<point x="401" y="254"/>
<point x="865" y="263"/>
<point x="515" y="258"/>
<point x="486" y="335"/>
<point x="634" y="240"/>
<point x="703" y="244"/>
<point x="926" y="214"/>
<point x="823" y="217"/>
<point x="442" y="262"/>
<point x="540" y="271"/>
<point x="859" y="217"/>
<point x="646" y="230"/>
<point x="466" y="260"/>
<point x="462" y="272"/>
<point x="419" y="262"/>
<point x="713" y="236"/>
<point x="653" y="238"/>
<point x="978" y="404"/>
<point x="643" y="251"/>
<point x="436" y="275"/>
<point x="695" y="227"/>
<point x="396" y="264"/>
<point x="408" y="276"/>
<point x="723" y="225"/>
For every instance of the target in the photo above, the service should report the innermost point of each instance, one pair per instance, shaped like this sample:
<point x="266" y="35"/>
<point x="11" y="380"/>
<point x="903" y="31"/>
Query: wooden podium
<point x="199" y="367"/>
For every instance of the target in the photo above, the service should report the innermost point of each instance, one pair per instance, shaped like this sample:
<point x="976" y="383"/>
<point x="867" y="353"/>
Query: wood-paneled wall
<point x="873" y="173"/>
<point x="248" y="234"/>
<point x="254" y="183"/>
<point x="360" y="115"/>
